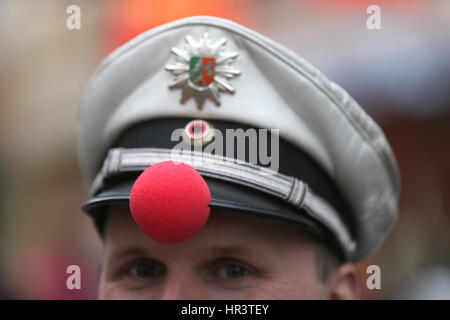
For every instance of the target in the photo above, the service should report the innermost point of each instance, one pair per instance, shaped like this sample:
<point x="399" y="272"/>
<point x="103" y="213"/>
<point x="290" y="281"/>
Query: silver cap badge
<point x="202" y="70"/>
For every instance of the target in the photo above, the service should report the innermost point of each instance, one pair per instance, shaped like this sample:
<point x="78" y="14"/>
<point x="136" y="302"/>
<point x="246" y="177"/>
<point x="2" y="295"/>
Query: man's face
<point x="234" y="256"/>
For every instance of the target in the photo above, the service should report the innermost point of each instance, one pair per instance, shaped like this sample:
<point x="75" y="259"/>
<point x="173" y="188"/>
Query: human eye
<point x="232" y="271"/>
<point x="146" y="270"/>
<point x="140" y="273"/>
<point x="233" y="274"/>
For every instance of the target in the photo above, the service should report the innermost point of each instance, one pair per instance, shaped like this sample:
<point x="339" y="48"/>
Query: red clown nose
<point x="170" y="201"/>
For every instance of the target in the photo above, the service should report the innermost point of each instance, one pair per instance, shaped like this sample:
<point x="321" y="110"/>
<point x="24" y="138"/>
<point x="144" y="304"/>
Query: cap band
<point x="287" y="188"/>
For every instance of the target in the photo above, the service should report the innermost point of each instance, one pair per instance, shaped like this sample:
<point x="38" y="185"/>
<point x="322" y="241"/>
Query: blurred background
<point x="400" y="74"/>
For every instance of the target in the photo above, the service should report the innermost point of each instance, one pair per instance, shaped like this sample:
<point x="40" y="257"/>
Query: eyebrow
<point x="229" y="250"/>
<point x="220" y="250"/>
<point x="129" y="251"/>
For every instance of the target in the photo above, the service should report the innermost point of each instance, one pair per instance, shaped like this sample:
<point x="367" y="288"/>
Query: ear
<point x="345" y="283"/>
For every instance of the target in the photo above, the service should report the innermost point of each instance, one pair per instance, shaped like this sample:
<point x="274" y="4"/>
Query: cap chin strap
<point x="288" y="188"/>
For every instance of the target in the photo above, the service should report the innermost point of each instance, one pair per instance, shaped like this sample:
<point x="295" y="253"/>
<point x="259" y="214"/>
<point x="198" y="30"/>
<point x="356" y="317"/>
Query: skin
<point x="234" y="256"/>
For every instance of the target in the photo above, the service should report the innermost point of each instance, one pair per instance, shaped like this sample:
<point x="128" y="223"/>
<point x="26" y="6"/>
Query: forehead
<point x="224" y="228"/>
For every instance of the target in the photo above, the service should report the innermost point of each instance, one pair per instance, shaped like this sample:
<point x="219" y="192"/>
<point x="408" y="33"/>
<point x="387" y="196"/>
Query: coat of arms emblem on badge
<point x="202" y="70"/>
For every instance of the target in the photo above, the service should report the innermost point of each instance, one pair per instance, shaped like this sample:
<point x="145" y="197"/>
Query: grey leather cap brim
<point x="224" y="195"/>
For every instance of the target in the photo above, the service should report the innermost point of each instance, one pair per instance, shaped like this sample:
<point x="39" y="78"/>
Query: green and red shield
<point x="201" y="70"/>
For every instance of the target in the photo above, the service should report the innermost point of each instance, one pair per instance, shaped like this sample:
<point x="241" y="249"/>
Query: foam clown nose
<point x="170" y="201"/>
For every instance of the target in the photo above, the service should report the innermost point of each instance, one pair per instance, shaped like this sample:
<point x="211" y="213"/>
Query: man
<point x="195" y="198"/>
